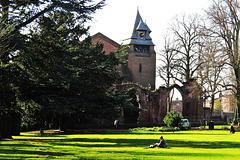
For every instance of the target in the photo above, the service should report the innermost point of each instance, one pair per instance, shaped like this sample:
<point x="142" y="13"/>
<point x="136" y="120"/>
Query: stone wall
<point x="154" y="103"/>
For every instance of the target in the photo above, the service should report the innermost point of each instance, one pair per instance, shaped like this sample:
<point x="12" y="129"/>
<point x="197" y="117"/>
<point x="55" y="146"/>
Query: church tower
<point x="141" y="54"/>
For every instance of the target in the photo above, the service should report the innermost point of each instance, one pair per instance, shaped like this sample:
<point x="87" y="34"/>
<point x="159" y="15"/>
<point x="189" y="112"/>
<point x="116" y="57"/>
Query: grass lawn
<point x="183" y="145"/>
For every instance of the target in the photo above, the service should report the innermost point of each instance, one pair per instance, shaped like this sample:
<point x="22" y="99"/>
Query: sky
<point x="116" y="19"/>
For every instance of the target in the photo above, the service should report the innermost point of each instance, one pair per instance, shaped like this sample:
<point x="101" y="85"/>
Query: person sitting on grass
<point x="232" y="130"/>
<point x="161" y="144"/>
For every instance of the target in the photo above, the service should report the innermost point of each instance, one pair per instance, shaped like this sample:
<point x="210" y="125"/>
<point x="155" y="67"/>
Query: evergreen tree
<point x="69" y="76"/>
<point x="17" y="82"/>
<point x="173" y="119"/>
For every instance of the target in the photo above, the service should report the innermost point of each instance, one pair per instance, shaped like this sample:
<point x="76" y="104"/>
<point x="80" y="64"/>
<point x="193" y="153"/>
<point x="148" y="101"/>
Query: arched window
<point x="140" y="68"/>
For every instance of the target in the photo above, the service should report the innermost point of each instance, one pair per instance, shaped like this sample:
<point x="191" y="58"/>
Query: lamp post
<point x="204" y="101"/>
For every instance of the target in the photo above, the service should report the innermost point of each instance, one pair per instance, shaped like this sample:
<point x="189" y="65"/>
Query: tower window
<point x="141" y="48"/>
<point x="140" y="68"/>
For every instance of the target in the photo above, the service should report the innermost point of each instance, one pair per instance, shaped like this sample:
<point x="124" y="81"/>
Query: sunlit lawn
<point x="185" y="145"/>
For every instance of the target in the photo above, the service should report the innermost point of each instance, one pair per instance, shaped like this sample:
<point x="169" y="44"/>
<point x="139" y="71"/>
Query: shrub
<point x="156" y="129"/>
<point x="173" y="119"/>
<point x="201" y="128"/>
<point x="225" y="128"/>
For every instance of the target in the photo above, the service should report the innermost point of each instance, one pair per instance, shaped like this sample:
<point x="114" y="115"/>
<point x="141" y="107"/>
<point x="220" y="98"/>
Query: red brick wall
<point x="148" y="63"/>
<point x="177" y="105"/>
<point x="107" y="47"/>
<point x="156" y="109"/>
<point x="192" y="105"/>
<point x="108" y="44"/>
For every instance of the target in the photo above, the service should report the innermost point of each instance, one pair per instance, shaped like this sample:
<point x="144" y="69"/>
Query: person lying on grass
<point x="161" y="144"/>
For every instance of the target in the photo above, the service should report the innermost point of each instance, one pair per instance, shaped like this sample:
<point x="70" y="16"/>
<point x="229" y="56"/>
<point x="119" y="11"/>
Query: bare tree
<point x="224" y="17"/>
<point x="187" y="31"/>
<point x="212" y="68"/>
<point x="167" y="64"/>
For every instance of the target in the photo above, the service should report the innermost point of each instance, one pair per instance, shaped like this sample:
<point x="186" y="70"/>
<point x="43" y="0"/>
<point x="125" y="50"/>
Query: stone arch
<point x="176" y="104"/>
<point x="141" y="95"/>
<point x="154" y="103"/>
<point x="191" y="101"/>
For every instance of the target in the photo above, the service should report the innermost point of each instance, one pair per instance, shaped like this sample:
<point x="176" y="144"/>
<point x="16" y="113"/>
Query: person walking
<point x="116" y="123"/>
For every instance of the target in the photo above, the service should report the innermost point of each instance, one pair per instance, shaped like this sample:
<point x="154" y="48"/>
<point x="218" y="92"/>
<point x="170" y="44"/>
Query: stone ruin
<point x="154" y="103"/>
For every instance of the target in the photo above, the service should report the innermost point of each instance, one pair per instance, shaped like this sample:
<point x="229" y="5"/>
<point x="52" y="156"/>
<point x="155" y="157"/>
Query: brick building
<point x="142" y="57"/>
<point x="225" y="111"/>
<point x="108" y="44"/>
<point x="228" y="103"/>
<point x="177" y="105"/>
<point x="141" y="67"/>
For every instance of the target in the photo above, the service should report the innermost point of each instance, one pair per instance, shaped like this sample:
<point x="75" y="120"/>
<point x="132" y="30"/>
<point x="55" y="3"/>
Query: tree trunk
<point x="61" y="125"/>
<point x="237" y="96"/>
<point x="236" y="117"/>
<point x="212" y="105"/>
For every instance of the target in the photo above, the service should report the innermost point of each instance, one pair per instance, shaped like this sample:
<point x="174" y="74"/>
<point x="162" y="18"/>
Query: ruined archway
<point x="192" y="105"/>
<point x="175" y="101"/>
<point x="130" y="115"/>
<point x="154" y="103"/>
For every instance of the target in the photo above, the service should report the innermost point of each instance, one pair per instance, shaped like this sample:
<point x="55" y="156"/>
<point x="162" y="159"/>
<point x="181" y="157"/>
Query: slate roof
<point x="140" y="25"/>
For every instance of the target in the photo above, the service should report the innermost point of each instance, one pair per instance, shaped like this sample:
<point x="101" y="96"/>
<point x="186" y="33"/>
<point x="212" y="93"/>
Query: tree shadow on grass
<point x="16" y="151"/>
<point x="107" y="142"/>
<point x="16" y="145"/>
<point x="47" y="137"/>
<point x="204" y="144"/>
<point x="9" y="150"/>
<point x="145" y="143"/>
<point x="150" y="133"/>
<point x="163" y="154"/>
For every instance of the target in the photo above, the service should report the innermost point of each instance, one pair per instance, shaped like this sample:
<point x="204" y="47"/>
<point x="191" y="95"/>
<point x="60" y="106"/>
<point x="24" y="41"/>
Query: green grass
<point x="183" y="145"/>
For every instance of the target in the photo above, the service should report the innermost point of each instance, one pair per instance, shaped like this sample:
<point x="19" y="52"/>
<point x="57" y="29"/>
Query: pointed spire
<point x="140" y="26"/>
<point x="137" y="21"/>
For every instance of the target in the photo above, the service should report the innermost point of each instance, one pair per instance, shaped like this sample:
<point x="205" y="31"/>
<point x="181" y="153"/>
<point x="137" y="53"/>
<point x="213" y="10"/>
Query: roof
<point x="102" y="36"/>
<point x="140" y="25"/>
